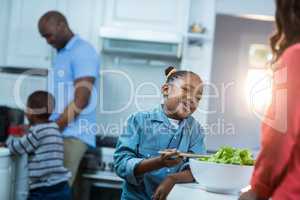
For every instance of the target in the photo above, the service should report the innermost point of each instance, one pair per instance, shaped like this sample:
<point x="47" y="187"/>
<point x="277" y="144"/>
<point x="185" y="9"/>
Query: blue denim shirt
<point x="145" y="134"/>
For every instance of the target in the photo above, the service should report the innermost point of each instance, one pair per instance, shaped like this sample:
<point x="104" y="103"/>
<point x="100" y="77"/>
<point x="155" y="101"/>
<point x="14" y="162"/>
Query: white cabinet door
<point x="156" y="15"/>
<point x="85" y="18"/>
<point x="15" y="88"/>
<point x="4" y="14"/>
<point x="26" y="48"/>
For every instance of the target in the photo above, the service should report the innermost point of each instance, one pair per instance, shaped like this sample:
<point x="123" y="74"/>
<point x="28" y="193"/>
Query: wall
<point x="128" y="85"/>
<point x="230" y="64"/>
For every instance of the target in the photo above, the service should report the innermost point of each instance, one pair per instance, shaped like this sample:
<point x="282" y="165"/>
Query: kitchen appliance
<point x="101" y="157"/>
<point x="5" y="174"/>
<point x="141" y="42"/>
<point x="20" y="166"/>
<point x="9" y="117"/>
<point x="100" y="179"/>
<point x="221" y="178"/>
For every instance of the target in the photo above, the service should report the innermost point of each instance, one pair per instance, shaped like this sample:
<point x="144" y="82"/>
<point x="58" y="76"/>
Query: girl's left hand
<point x="164" y="189"/>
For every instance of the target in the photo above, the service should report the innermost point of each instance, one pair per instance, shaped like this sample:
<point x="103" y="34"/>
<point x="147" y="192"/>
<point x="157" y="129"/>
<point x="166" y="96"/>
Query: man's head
<point x="40" y="105"/>
<point x="54" y="27"/>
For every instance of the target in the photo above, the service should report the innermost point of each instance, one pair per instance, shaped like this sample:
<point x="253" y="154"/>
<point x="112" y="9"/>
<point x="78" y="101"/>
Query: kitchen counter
<point x="192" y="191"/>
<point x="106" y="180"/>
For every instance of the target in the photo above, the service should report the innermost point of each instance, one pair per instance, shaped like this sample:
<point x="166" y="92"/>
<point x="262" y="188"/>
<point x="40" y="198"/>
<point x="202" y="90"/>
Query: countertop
<point x="192" y="191"/>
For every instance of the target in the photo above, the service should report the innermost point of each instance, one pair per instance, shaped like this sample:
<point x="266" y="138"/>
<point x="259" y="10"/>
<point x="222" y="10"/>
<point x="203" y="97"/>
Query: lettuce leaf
<point x="230" y="155"/>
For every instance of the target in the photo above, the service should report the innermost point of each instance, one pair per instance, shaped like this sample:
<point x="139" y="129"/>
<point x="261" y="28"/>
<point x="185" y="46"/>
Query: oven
<point x="99" y="180"/>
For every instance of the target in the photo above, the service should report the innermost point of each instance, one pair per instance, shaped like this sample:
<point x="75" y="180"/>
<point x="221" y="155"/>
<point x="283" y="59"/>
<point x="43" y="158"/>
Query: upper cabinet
<point x="4" y="17"/>
<point x="198" y="47"/>
<point x="84" y="17"/>
<point x="15" y="89"/>
<point x="26" y="48"/>
<point x="155" y="15"/>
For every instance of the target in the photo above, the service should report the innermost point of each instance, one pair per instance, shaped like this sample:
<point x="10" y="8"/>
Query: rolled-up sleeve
<point x="85" y="62"/>
<point x="126" y="158"/>
<point x="24" y="145"/>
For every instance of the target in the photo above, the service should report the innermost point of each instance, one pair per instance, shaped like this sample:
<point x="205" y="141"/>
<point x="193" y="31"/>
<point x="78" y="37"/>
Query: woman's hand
<point x="164" y="189"/>
<point x="170" y="158"/>
<point x="250" y="195"/>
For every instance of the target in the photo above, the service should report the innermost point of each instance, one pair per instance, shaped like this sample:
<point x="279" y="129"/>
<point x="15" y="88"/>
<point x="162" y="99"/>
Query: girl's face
<point x="182" y="96"/>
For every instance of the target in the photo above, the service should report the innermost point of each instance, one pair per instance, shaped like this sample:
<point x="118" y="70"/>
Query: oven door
<point x="106" y="191"/>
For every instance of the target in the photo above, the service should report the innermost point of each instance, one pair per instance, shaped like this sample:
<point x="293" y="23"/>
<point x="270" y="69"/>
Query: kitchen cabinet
<point x="155" y="15"/>
<point x="4" y="13"/>
<point x="26" y="48"/>
<point x="85" y="18"/>
<point x="193" y="191"/>
<point x="16" y="88"/>
<point x="5" y="173"/>
<point x="197" y="56"/>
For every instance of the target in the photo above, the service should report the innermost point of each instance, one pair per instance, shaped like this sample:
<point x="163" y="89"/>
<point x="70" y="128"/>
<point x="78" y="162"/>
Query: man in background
<point x="73" y="81"/>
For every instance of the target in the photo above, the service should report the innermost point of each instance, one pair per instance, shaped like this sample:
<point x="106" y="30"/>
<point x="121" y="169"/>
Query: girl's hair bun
<point x="168" y="70"/>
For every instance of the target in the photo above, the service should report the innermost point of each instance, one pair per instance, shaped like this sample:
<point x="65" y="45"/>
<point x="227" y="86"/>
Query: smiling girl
<point x="170" y="127"/>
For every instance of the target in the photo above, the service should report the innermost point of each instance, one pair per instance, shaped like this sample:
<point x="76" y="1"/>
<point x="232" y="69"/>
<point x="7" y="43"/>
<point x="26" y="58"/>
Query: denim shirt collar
<point x="159" y="115"/>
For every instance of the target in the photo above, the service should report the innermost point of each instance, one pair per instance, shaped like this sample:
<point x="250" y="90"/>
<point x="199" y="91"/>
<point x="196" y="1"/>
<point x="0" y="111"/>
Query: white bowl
<point x="221" y="178"/>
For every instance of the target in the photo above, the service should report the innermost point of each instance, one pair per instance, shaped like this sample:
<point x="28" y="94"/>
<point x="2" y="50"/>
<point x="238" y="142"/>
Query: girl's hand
<point x="164" y="189"/>
<point x="170" y="158"/>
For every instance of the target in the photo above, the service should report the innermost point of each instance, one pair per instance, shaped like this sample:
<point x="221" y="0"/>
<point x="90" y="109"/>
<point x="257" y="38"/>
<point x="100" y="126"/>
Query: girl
<point x="147" y="174"/>
<point x="277" y="168"/>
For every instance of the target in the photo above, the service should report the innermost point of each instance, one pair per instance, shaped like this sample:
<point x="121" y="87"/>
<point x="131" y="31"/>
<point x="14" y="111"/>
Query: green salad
<point x="230" y="155"/>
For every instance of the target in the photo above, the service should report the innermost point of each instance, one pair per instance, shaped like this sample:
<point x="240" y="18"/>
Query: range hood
<point x="142" y="42"/>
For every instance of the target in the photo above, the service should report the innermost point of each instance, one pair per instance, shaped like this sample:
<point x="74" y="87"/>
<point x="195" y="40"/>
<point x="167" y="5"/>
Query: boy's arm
<point x="24" y="145"/>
